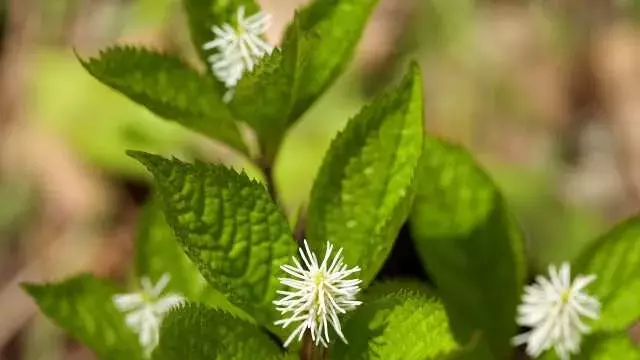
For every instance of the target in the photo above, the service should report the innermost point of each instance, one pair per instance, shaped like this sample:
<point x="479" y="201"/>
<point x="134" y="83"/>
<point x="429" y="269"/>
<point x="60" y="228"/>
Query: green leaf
<point x="333" y="29"/>
<point x="264" y="97"/>
<point x="615" y="259"/>
<point x="83" y="306"/>
<point x="470" y="245"/>
<point x="195" y="332"/>
<point x="317" y="47"/>
<point x="169" y="88"/>
<point x="603" y="346"/>
<point x="158" y="252"/>
<point x="364" y="188"/>
<point x="395" y="322"/>
<point x="202" y="15"/>
<point x="613" y="346"/>
<point x="228" y="226"/>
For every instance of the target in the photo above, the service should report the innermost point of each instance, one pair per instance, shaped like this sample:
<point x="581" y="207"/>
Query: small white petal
<point x="149" y="335"/>
<point x="565" y="275"/>
<point x="147" y="285"/>
<point x="217" y="43"/>
<point x="135" y="320"/>
<point x="160" y="285"/>
<point x="127" y="302"/>
<point x="582" y="281"/>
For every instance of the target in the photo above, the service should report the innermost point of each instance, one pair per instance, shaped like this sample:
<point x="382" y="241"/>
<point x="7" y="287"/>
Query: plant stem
<point x="307" y="349"/>
<point x="310" y="351"/>
<point x="267" y="170"/>
<point x="299" y="231"/>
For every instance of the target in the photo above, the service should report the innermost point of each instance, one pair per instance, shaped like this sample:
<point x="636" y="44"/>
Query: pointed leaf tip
<point x="365" y="186"/>
<point x="228" y="226"/>
<point x="316" y="49"/>
<point x="167" y="87"/>
<point x="470" y="245"/>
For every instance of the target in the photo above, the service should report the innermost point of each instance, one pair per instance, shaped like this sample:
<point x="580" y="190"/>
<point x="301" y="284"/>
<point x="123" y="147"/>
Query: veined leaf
<point x="83" y="306"/>
<point x="364" y="188"/>
<point x="470" y="245"/>
<point x="317" y="47"/>
<point x="395" y="322"/>
<point x="333" y="28"/>
<point x="195" y="332"/>
<point x="158" y="252"/>
<point x="204" y="14"/>
<point x="615" y="260"/>
<point x="169" y="88"/>
<point x="228" y="226"/>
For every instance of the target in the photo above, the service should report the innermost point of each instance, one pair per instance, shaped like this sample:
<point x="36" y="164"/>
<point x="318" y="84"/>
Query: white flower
<point x="146" y="309"/>
<point x="553" y="308"/>
<point x="239" y="49"/>
<point x="318" y="294"/>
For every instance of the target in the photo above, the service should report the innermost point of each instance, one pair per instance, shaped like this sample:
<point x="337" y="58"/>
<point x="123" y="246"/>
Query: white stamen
<point x="238" y="50"/>
<point x="552" y="309"/>
<point x="317" y="295"/>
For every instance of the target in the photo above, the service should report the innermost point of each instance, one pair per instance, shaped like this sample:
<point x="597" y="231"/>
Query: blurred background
<point x="545" y="93"/>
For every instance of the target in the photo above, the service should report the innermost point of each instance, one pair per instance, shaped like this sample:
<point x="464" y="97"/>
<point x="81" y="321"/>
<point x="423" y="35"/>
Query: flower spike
<point x="317" y="294"/>
<point x="145" y="310"/>
<point x="552" y="307"/>
<point x="238" y="50"/>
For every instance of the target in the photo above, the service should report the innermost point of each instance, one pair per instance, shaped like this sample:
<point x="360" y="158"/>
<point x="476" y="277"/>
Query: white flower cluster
<point x="318" y="294"/>
<point x="553" y="308"/>
<point x="238" y="50"/>
<point x="145" y="310"/>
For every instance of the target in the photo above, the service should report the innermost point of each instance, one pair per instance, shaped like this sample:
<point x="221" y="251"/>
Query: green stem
<point x="299" y="230"/>
<point x="267" y="171"/>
